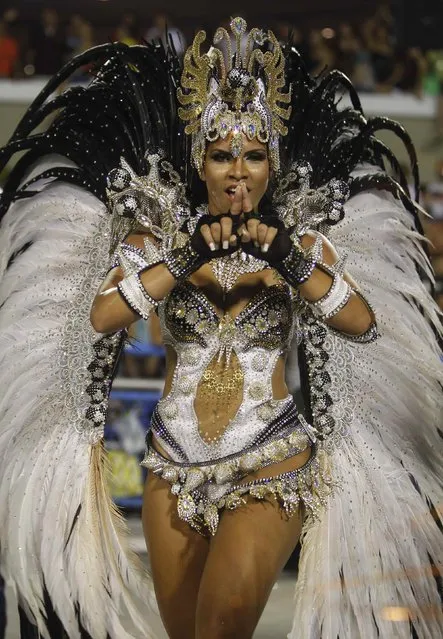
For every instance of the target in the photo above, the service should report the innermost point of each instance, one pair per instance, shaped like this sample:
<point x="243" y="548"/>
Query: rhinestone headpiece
<point x="238" y="94"/>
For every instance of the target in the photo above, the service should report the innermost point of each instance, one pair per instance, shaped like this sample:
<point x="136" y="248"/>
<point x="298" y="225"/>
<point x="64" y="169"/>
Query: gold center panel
<point x="219" y="396"/>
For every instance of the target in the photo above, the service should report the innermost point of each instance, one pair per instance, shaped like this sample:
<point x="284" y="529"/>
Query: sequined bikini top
<point x="266" y="320"/>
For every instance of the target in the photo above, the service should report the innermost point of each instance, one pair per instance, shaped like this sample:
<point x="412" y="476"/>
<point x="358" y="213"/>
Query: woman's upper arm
<point x="330" y="255"/>
<point x="356" y="317"/>
<point x="109" y="312"/>
<point x="115" y="275"/>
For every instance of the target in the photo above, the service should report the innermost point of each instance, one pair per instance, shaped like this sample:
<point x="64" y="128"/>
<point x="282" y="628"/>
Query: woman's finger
<point x="262" y="229"/>
<point x="233" y="240"/>
<point x="215" y="230"/>
<point x="252" y="226"/>
<point x="247" y="204"/>
<point x="237" y="204"/>
<point x="245" y="237"/>
<point x="207" y="236"/>
<point x="271" y="234"/>
<point x="226" y="231"/>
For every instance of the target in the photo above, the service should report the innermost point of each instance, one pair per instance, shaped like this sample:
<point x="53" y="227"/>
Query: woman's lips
<point x="231" y="193"/>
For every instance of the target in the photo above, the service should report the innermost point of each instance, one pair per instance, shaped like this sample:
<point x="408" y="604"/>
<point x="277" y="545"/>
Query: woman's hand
<point x="216" y="235"/>
<point x="254" y="231"/>
<point x="263" y="236"/>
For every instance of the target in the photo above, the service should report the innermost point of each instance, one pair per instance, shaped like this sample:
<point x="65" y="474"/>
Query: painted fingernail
<point x="212" y="246"/>
<point x="225" y="244"/>
<point x="256" y="244"/>
<point x="265" y="248"/>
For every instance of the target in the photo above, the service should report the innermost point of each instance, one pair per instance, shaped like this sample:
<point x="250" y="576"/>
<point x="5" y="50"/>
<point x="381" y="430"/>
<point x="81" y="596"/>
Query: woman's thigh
<point x="177" y="554"/>
<point x="251" y="547"/>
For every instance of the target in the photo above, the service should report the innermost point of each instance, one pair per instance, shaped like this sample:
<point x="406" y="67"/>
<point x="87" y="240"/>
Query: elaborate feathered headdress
<point x="238" y="94"/>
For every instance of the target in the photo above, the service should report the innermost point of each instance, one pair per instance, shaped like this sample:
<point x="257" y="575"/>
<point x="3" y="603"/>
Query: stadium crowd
<point x="369" y="53"/>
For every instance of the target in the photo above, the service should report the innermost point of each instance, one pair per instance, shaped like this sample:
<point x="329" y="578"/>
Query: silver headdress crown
<point x="241" y="94"/>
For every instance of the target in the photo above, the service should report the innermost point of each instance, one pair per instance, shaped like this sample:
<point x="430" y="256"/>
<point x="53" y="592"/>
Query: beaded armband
<point x="364" y="338"/>
<point x="182" y="261"/>
<point x="334" y="300"/>
<point x="136" y="296"/>
<point x="371" y="333"/>
<point x="299" y="264"/>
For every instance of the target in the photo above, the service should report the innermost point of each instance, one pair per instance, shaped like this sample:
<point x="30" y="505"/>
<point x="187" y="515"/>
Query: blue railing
<point x="149" y="397"/>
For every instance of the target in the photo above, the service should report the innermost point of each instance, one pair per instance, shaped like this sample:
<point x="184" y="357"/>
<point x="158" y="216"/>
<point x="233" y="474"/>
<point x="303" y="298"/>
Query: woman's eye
<point x="220" y="156"/>
<point x="256" y="156"/>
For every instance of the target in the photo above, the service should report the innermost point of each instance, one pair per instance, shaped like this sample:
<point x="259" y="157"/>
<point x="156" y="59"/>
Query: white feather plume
<point x="369" y="555"/>
<point x="59" y="533"/>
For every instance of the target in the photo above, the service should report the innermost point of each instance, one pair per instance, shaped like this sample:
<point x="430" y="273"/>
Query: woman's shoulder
<point x="138" y="238"/>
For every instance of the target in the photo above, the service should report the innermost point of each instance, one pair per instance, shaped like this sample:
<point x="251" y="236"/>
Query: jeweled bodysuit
<point x="203" y="469"/>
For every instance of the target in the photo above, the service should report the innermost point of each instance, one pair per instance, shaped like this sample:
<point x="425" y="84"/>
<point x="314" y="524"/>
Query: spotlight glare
<point x="328" y="33"/>
<point x="396" y="613"/>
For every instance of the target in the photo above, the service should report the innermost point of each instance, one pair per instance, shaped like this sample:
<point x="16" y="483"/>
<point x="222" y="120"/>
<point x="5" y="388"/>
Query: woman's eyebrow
<point x="228" y="152"/>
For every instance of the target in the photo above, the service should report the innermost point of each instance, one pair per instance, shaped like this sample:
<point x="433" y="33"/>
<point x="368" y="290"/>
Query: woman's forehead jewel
<point x="248" y="145"/>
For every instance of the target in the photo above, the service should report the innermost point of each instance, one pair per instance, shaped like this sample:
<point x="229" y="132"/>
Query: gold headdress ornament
<point x="240" y="95"/>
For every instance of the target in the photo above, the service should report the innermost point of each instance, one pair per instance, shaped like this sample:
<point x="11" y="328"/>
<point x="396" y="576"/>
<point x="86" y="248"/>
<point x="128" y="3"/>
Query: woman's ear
<point x="271" y="174"/>
<point x="202" y="174"/>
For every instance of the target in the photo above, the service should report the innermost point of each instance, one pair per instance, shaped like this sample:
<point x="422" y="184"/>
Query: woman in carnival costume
<point x="230" y="211"/>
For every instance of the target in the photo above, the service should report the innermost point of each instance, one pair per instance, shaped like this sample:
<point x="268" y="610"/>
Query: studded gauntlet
<point x="288" y="258"/>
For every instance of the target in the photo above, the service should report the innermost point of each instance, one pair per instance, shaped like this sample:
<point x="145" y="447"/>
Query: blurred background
<point x="393" y="53"/>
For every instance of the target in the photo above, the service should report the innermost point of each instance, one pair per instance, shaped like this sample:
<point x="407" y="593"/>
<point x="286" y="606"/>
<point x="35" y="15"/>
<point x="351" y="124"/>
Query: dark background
<point x="421" y="22"/>
<point x="192" y="14"/>
<point x="206" y="9"/>
<point x="418" y="22"/>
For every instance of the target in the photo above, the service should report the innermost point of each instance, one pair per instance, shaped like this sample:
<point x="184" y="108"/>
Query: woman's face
<point x="222" y="172"/>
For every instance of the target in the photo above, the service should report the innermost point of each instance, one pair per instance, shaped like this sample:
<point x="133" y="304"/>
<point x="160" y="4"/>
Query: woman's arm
<point x="309" y="272"/>
<point x="110" y="312"/>
<point x="355" y="318"/>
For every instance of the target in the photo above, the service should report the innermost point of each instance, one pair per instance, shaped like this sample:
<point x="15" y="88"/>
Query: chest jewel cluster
<point x="229" y="268"/>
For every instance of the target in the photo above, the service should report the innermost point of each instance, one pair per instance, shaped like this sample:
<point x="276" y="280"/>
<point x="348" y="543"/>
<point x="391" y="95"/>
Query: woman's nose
<point x="238" y="169"/>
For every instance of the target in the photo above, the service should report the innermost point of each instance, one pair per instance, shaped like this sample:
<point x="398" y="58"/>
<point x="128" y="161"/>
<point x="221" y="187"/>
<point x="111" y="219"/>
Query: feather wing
<point x="61" y="538"/>
<point x="377" y="550"/>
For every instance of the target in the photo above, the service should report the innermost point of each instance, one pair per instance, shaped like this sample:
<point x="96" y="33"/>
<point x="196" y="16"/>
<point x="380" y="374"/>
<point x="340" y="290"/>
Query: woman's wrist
<point x="134" y="293"/>
<point x="183" y="261"/>
<point x="298" y="266"/>
<point x="322" y="287"/>
<point x="140" y="291"/>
